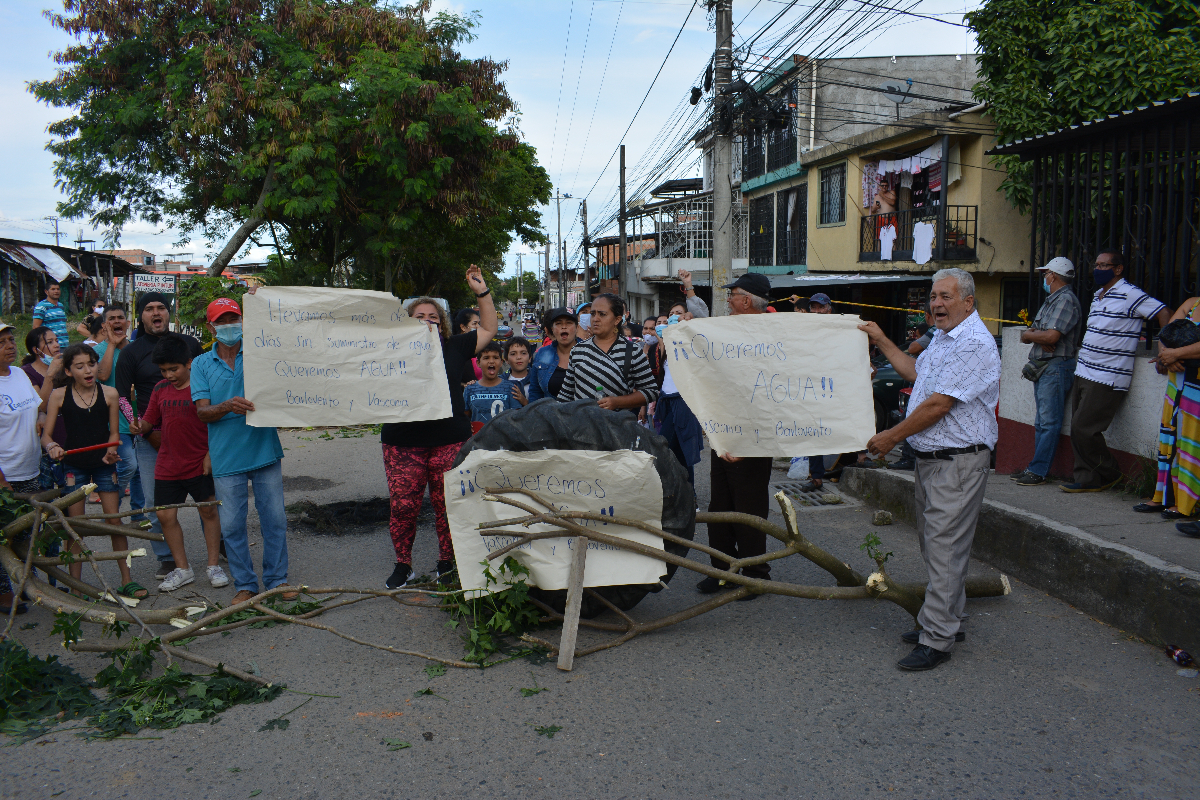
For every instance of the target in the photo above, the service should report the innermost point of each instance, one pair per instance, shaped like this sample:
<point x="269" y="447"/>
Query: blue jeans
<point x="272" y="520"/>
<point x="147" y="457"/>
<point x="1050" y="392"/>
<point x="127" y="474"/>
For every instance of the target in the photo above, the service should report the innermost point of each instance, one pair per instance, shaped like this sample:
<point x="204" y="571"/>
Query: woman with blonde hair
<point x="417" y="454"/>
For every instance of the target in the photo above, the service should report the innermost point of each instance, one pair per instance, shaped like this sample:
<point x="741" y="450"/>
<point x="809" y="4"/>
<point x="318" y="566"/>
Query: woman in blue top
<point x="549" y="366"/>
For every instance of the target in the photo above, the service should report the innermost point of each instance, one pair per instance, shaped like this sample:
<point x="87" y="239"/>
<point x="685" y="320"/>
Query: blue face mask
<point x="1102" y="276"/>
<point x="674" y="318"/>
<point x="46" y="360"/>
<point x="228" y="334"/>
<point x="660" y="329"/>
<point x="1046" y="284"/>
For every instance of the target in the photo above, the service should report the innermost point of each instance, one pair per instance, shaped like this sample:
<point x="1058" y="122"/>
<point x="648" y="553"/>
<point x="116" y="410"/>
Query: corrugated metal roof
<point x="1189" y="102"/>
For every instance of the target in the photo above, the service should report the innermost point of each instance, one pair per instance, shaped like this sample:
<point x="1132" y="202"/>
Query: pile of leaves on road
<point x="494" y="622"/>
<point x="38" y="694"/>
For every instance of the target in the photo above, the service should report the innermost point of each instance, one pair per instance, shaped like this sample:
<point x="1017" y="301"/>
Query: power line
<point x="603" y="75"/>
<point x="644" y="97"/>
<point x="561" y="79"/>
<point x="579" y="76"/>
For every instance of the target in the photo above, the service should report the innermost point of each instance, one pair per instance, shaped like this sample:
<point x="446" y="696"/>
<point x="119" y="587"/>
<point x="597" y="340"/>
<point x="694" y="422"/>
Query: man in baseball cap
<point x="820" y="303"/>
<point x="1054" y="335"/>
<point x="748" y="287"/>
<point x="737" y="483"/>
<point x="222" y="305"/>
<point x="242" y="456"/>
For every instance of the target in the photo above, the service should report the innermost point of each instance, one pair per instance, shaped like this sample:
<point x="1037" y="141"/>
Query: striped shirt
<point x="592" y="373"/>
<point x="1114" y="325"/>
<point x="54" y="317"/>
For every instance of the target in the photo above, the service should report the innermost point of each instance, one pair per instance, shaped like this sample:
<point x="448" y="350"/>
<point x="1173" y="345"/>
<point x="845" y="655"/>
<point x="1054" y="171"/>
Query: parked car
<point x="503" y="334"/>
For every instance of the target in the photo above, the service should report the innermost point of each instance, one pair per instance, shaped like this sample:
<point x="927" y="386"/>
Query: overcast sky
<point x="577" y="69"/>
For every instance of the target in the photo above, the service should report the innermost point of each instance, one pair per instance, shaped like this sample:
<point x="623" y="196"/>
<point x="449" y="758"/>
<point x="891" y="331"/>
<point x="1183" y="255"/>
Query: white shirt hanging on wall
<point x="887" y="238"/>
<point x="922" y="242"/>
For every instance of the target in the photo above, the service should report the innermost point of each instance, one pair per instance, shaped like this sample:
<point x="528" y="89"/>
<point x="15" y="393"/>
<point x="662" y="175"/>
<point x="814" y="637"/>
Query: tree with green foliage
<point x="531" y="289"/>
<point x="350" y="129"/>
<point x="1047" y="64"/>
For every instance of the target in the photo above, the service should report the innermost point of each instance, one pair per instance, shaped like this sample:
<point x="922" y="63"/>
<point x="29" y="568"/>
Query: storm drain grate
<point x="825" y="497"/>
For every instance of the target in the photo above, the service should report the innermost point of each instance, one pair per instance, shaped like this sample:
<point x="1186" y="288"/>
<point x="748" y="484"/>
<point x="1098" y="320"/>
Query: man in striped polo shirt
<point x="1105" y="369"/>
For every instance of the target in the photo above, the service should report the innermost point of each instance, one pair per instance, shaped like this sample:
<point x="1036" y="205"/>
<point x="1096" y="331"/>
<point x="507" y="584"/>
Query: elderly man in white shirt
<point x="951" y="424"/>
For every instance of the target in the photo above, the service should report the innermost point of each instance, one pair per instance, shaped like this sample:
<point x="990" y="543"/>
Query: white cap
<point x="1059" y="265"/>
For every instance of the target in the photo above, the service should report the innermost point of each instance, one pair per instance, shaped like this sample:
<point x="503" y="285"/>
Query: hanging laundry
<point x="870" y="183"/>
<point x="906" y="180"/>
<point x="922" y="242"/>
<point x="887" y="237"/>
<point x="920" y="189"/>
<point x="935" y="178"/>
<point x="954" y="164"/>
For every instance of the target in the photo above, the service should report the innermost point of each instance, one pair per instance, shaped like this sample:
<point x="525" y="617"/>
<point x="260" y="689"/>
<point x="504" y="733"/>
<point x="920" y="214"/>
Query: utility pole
<point x="622" y="253"/>
<point x="519" y="295"/>
<point x="546" y="290"/>
<point x="55" y="221"/>
<point x="722" y="261"/>
<point x="587" y="273"/>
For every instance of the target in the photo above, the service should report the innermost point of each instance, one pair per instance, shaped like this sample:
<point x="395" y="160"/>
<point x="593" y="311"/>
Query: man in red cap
<point x="241" y="456"/>
<point x="136" y="372"/>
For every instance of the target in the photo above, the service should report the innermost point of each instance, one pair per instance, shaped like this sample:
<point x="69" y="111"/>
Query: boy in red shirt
<point x="183" y="467"/>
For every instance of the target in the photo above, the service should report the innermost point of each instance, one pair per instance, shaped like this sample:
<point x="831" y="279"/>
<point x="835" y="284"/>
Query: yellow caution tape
<point x="892" y="308"/>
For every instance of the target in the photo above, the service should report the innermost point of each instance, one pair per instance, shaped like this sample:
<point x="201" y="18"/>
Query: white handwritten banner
<point x="317" y="356"/>
<point x="622" y="483"/>
<point x="776" y="384"/>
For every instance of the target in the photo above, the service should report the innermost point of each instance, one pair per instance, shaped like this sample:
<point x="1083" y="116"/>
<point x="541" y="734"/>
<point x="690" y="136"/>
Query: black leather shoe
<point x="914" y="637"/>
<point x="712" y="586"/>
<point x="922" y="658"/>
<point x="1188" y="529"/>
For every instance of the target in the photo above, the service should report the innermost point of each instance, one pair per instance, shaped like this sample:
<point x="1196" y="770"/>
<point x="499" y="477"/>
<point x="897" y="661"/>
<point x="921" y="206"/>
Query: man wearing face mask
<point x="1055" y="339"/>
<point x="1104" y="370"/>
<point x="241" y="456"/>
<point x="135" y="369"/>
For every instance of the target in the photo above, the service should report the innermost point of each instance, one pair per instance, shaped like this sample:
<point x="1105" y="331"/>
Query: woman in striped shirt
<point x="607" y="367"/>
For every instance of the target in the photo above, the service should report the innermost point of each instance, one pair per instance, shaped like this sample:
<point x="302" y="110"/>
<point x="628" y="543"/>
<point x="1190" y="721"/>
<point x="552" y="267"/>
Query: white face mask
<point x="585" y="320"/>
<point x="650" y="338"/>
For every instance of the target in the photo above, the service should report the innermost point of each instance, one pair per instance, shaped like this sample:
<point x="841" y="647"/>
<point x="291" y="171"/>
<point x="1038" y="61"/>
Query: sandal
<point x="132" y="588"/>
<point x="1148" y="508"/>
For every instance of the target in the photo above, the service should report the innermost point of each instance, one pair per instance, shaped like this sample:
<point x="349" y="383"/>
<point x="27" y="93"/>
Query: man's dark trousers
<point x="1093" y="406"/>
<point x="740" y="486"/>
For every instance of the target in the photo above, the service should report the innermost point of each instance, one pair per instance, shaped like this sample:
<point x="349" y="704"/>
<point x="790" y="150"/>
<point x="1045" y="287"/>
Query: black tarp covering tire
<point x="582" y="425"/>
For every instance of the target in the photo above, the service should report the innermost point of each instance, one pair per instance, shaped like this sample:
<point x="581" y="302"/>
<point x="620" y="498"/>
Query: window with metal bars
<point x="753" y="156"/>
<point x="833" y="195"/>
<point x="791" y="226"/>
<point x="762" y="232"/>
<point x="781" y="145"/>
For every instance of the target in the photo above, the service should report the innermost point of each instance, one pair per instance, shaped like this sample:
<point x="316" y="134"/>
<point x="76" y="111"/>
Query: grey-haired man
<point x="951" y="424"/>
<point x="1054" y="335"/>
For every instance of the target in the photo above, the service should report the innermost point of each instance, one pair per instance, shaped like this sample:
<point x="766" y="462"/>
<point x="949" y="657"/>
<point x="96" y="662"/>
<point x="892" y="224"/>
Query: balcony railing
<point x="957" y="244"/>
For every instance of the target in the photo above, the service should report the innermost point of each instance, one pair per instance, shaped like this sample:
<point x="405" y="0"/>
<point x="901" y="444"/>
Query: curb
<point x="1137" y="592"/>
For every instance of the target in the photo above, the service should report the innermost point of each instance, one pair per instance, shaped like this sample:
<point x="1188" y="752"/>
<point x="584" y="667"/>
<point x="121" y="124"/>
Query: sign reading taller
<point x="318" y="356"/>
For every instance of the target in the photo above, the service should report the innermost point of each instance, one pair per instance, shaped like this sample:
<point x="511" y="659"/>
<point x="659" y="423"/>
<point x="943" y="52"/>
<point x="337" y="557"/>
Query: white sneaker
<point x="177" y="577"/>
<point x="217" y="577"/>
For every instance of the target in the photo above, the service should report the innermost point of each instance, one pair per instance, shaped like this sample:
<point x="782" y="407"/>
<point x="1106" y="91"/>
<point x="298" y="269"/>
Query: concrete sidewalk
<point x="1092" y="550"/>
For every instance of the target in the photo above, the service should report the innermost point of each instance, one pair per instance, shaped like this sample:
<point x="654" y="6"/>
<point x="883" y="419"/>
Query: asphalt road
<point x="772" y="698"/>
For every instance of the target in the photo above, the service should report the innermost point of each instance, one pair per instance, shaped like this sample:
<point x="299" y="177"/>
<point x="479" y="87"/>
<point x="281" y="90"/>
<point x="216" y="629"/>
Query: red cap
<point x="222" y="305"/>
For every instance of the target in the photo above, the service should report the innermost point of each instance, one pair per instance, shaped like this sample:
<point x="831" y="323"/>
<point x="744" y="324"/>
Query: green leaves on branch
<point x="37" y="694"/>
<point x="1047" y="64"/>
<point x="493" y="620"/>
<point x="342" y="134"/>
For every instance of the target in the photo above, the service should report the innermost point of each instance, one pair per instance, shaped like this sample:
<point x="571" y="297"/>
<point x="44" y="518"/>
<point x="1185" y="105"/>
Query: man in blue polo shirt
<point x="241" y="455"/>
<point x="50" y="312"/>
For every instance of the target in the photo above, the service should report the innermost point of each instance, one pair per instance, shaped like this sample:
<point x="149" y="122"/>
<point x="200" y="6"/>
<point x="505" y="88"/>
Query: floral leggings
<point x="409" y="470"/>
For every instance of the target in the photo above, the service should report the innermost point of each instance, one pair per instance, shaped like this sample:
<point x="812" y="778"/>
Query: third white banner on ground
<point x="622" y="483"/>
<point x="319" y="356"/>
<point x="776" y="384"/>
